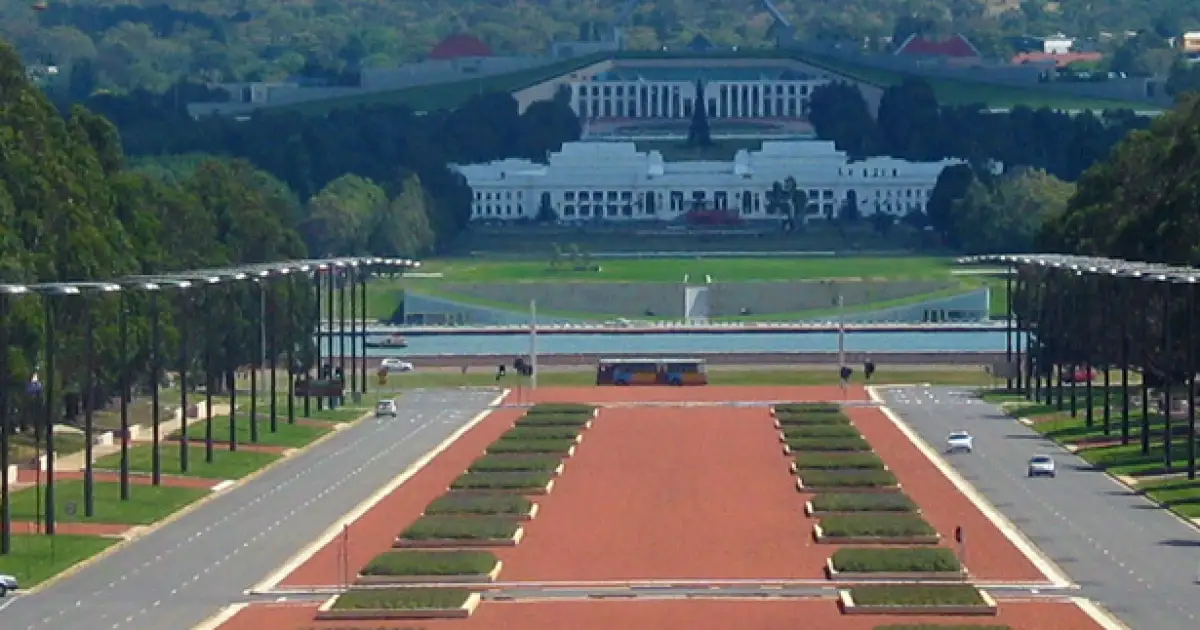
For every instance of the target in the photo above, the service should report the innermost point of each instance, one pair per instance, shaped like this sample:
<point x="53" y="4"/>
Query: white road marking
<point x="217" y="620"/>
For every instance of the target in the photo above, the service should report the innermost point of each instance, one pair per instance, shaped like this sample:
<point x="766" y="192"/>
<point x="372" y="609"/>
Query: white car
<point x="960" y="441"/>
<point x="7" y="583"/>
<point x="396" y="365"/>
<point x="385" y="408"/>
<point x="1041" y="466"/>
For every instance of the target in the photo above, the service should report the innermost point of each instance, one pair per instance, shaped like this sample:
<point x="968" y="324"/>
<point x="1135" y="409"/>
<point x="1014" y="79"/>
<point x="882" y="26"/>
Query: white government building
<point x="613" y="181"/>
<point x="779" y="93"/>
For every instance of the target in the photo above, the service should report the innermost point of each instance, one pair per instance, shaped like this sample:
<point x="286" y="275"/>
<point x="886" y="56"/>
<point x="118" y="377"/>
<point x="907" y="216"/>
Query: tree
<point x="698" y="131"/>
<point x="839" y="113"/>
<point x="908" y="114"/>
<point x="340" y="215"/>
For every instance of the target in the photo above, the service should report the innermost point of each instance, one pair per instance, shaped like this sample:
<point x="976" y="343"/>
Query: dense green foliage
<point x="531" y="446"/>
<point x="402" y="599"/>
<point x="838" y="461"/>
<point x="806" y="408"/>
<point x="875" y="526"/>
<point x="573" y="420"/>
<point x="492" y="505"/>
<point x="552" y="432"/>
<point x="828" y="444"/>
<point x="910" y="560"/>
<point x="800" y="431"/>
<point x="942" y="595"/>
<point x="461" y="528"/>
<point x="847" y="478"/>
<point x="515" y="463"/>
<point x="522" y="480"/>
<point x="422" y="563"/>
<point x="863" y="502"/>
<point x="554" y="409"/>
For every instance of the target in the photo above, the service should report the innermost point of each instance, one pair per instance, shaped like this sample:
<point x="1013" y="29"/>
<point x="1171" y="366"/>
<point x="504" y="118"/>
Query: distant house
<point x="458" y="46"/>
<point x="1057" y="45"/>
<point x="1190" y="42"/>
<point x="953" y="47"/>
<point x="1054" y="59"/>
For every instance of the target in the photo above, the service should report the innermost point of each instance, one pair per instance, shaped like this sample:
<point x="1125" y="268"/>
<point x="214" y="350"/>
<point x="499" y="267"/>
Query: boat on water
<point x="390" y="341"/>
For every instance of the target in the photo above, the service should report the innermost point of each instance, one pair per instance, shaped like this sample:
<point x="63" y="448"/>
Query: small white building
<point x="613" y="181"/>
<point x="1058" y="44"/>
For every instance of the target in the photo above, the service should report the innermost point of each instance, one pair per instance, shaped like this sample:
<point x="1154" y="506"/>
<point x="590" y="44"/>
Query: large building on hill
<point x="613" y="181"/>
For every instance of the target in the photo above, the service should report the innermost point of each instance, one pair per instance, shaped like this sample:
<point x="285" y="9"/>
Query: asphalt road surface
<point x="1137" y="560"/>
<point x="185" y="572"/>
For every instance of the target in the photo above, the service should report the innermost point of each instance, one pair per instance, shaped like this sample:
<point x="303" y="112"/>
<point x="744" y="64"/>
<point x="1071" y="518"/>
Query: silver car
<point x="385" y="408"/>
<point x="8" y="583"/>
<point x="1041" y="466"/>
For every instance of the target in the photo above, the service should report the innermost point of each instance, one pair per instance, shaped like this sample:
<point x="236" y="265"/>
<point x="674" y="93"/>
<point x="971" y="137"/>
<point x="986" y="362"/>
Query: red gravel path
<point x="374" y="532"/>
<point x="671" y="492"/>
<point x="780" y="614"/>
<point x="28" y="476"/>
<point x="85" y="529"/>
<point x="990" y="555"/>
<point x="715" y="393"/>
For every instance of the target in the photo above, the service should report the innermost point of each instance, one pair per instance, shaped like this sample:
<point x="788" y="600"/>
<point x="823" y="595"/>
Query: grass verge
<point x="289" y="435"/>
<point x="146" y="503"/>
<point x="479" y="505"/>
<point x="36" y="558"/>
<point x="418" y="563"/>
<point x="225" y="464"/>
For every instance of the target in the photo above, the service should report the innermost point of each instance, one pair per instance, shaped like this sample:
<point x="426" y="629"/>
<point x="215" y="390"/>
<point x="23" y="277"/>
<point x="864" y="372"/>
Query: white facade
<point x="760" y="98"/>
<point x="1057" y="45"/>
<point x="613" y="181"/>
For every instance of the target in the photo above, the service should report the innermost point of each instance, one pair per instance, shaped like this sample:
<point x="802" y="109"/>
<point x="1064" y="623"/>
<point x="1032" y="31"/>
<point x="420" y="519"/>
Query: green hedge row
<point x="546" y="432"/>
<point x="440" y="563"/>
<point x="515" y="463"/>
<point x="904" y="560"/>
<point x="942" y="595"/>
<point x="502" y="481"/>
<point x="848" y="478"/>
<point x="800" y="431"/>
<point x="461" y="528"/>
<point x="863" y="502"/>
<point x="809" y="419"/>
<point x="826" y="460"/>
<point x="402" y="599"/>
<point x="934" y="626"/>
<point x="554" y="420"/>
<point x="560" y="408"/>
<point x="875" y="526"/>
<point x="458" y="504"/>
<point x="857" y="444"/>
<point x="802" y="408"/>
<point x="556" y="447"/>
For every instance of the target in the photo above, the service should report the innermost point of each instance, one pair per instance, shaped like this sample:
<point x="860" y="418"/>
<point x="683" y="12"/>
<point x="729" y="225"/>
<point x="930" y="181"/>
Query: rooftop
<point x="715" y="73"/>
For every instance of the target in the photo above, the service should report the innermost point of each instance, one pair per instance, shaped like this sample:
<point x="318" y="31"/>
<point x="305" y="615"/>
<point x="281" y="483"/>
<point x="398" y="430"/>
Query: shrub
<point x="479" y="505"/>
<point x="822" y="408"/>
<point x="531" y="446"/>
<point x="875" y="526"/>
<point x="863" y="502"/>
<point x="402" y="599"/>
<point x="515" y="463"/>
<point x="554" y="420"/>
<point x="941" y="595"/>
<point x="848" y="478"/>
<point x="545" y="432"/>
<point x="560" y="408"/>
<point x="828" y="444"/>
<point x="809" y="460"/>
<point x="801" y="431"/>
<point x="811" y="418"/>
<point x="501" y="481"/>
<point x="410" y="563"/>
<point x="461" y="528"/>
<point x="911" y="560"/>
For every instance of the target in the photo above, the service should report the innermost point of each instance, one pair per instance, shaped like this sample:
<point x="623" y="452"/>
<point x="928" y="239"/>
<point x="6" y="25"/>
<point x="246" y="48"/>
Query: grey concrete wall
<point x="974" y="305"/>
<point x="617" y="299"/>
<point x="415" y="303"/>
<point x="767" y="298"/>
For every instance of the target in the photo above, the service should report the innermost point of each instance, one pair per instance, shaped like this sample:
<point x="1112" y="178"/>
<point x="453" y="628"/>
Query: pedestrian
<point x="868" y="368"/>
<point x="501" y="370"/>
<point x="845" y="373"/>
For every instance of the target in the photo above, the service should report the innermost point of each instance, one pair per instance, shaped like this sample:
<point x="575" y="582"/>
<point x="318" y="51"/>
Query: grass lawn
<point x="1130" y="462"/>
<point x="146" y="504"/>
<point x="290" y="435"/>
<point x="21" y="445"/>
<point x="341" y="414"/>
<point x="36" y="558"/>
<point x="225" y="465"/>
<point x="1182" y="496"/>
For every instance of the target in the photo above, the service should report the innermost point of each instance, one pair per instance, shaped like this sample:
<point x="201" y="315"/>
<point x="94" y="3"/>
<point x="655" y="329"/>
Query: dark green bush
<point x="414" y="563"/>
<point x="801" y="431"/>
<point x="402" y="599"/>
<point x="863" y="502"/>
<point x="847" y="478"/>
<point x="560" y="408"/>
<point x="798" y="408"/>
<point x="804" y="419"/>
<point x="461" y="528"/>
<point x="545" y="432"/>
<point x="554" y="420"/>
<point x="557" y="447"/>
<point x="826" y="460"/>
<point x="828" y="444"/>
<point x="906" y="560"/>
<point x="941" y="595"/>
<point x="515" y="463"/>
<point x="875" y="526"/>
<point x="462" y="504"/>
<point x="502" y="481"/>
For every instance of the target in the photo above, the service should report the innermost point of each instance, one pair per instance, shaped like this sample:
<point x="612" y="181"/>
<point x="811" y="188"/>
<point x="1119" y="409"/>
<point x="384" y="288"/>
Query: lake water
<point x="707" y="342"/>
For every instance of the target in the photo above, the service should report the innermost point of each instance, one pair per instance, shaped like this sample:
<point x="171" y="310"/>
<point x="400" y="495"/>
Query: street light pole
<point x="362" y="341"/>
<point x="89" y="371"/>
<point x="50" y="413"/>
<point x="123" y="334"/>
<point x="272" y="331"/>
<point x="353" y="333"/>
<point x="319" y="329"/>
<point x="184" y="308"/>
<point x="210" y="353"/>
<point x="290" y="286"/>
<point x="156" y="454"/>
<point x="255" y="364"/>
<point x="343" y="279"/>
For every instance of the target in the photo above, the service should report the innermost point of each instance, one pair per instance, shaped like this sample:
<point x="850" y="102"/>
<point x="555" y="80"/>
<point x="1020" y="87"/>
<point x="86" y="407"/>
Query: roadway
<point x="1134" y="558"/>
<point x="186" y="571"/>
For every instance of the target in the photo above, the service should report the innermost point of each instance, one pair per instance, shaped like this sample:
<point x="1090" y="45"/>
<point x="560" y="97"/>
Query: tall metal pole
<point x="1106" y="344"/>
<point x="1122" y="286"/>
<point x="123" y="343"/>
<point x="353" y="332"/>
<point x="1168" y="365"/>
<point x="362" y="341"/>
<point x="321" y="329"/>
<point x="1089" y="346"/>
<point x="229" y="368"/>
<point x="1191" y="372"/>
<point x="343" y="279"/>
<point x="5" y="401"/>
<point x="51" y="408"/>
<point x="533" y="344"/>
<point x="329" y="290"/>
<point x="290" y="285"/>
<point x="156" y="454"/>
<point x="1075" y="345"/>
<point x="185" y="300"/>
<point x="1008" y="325"/>
<point x="1018" y="297"/>
<point x="272" y="354"/>
<point x="89" y="404"/>
<point x="210" y="366"/>
<point x="1144" y="359"/>
<point x="841" y="303"/>
<point x="254" y="366"/>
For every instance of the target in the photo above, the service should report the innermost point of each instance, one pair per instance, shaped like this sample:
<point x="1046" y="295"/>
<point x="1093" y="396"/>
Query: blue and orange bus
<point x="651" y="372"/>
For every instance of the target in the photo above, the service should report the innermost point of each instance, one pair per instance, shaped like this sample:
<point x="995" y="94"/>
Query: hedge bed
<point x="810" y="480"/>
<point x="811" y="419"/>
<point x="934" y="626"/>
<point x="461" y="504"/>
<point x="547" y="432"/>
<point x="825" y="460"/>
<point x="430" y="563"/>
<point x="876" y="528"/>
<point x="555" y="447"/>
<point x="917" y="599"/>
<point x="555" y="420"/>
<point x="801" y="431"/>
<point x="560" y="408"/>
<point x="846" y="445"/>
<point x="896" y="562"/>
<point x="400" y="603"/>
<point x="469" y="530"/>
<point x="805" y="408"/>
<point x="516" y="463"/>
<point x="834" y="503"/>
<point x="504" y="481"/>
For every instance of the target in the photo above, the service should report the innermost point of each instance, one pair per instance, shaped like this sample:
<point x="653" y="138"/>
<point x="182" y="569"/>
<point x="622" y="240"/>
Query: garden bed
<point x="825" y="460"/>
<point x="517" y="463"/>
<point x="412" y="566"/>
<point x="936" y="563"/>
<point x="432" y="532"/>
<point x="839" y="419"/>
<point x="847" y="481"/>
<point x="399" y="604"/>
<point x="518" y="482"/>
<point x="465" y="504"/>
<point x="805" y="408"/>
<point x="938" y="626"/>
<point x="870" y="503"/>
<point x="831" y="445"/>
<point x="543" y="409"/>
<point x="817" y="431"/>
<point x="579" y="421"/>
<point x="875" y="529"/>
<point x="916" y="600"/>
<point x="564" y="448"/>
<point x="547" y="432"/>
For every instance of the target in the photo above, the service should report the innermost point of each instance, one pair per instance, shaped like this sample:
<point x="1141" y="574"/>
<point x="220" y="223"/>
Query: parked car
<point x="1080" y="375"/>
<point x="385" y="408"/>
<point x="1041" y="466"/>
<point x="8" y="583"/>
<point x="396" y="365"/>
<point x="960" y="442"/>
